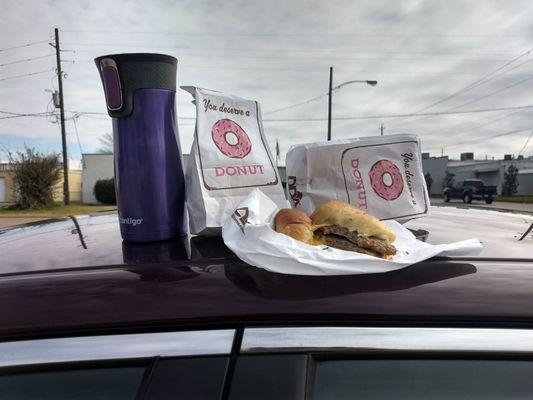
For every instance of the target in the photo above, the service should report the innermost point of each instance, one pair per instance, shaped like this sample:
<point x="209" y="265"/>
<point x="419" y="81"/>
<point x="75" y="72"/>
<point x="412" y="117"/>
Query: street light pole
<point x="331" y="89"/>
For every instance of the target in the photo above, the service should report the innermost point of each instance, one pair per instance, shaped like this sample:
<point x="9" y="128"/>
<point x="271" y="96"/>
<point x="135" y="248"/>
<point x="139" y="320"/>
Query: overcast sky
<point x="279" y="53"/>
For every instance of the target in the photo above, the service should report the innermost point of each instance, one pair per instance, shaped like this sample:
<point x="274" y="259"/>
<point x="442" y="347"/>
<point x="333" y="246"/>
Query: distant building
<point x="525" y="181"/>
<point x="491" y="172"/>
<point x="436" y="167"/>
<point x="7" y="191"/>
<point x="95" y="167"/>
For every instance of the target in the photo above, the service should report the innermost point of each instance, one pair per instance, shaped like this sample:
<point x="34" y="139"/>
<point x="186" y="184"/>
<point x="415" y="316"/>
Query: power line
<point x="436" y="113"/>
<point x="493" y="93"/>
<point x="476" y="83"/>
<point x="77" y="135"/>
<point x="476" y="127"/>
<point x="323" y="34"/>
<point x="292" y="50"/>
<point x="291" y="56"/>
<point x="24" y="75"/>
<point x="19" y="115"/>
<point x="15" y="113"/>
<point x="525" y="144"/>
<point x="484" y="110"/>
<point x="81" y="113"/>
<point x="321" y="70"/>
<point x="318" y="71"/>
<point x="484" y="79"/>
<point x="24" y="60"/>
<point x="23" y="45"/>
<point x="508" y="133"/>
<point x="490" y="137"/>
<point x="25" y="115"/>
<point x="300" y="103"/>
<point x="295" y="105"/>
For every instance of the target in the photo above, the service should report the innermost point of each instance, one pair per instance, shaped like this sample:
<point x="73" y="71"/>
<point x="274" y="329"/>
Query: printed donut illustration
<point x="387" y="191"/>
<point x="219" y="132"/>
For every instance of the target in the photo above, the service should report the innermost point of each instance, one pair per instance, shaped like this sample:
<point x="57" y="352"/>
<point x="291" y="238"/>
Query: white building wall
<point x="2" y="190"/>
<point x="95" y="167"/>
<point x="525" y="183"/>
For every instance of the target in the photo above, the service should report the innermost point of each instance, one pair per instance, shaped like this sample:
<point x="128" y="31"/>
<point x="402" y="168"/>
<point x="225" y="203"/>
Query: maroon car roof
<point x="56" y="278"/>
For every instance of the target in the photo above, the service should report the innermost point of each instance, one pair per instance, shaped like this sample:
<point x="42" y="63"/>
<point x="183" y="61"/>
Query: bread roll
<point x="294" y="223"/>
<point x="336" y="212"/>
<point x="287" y="216"/>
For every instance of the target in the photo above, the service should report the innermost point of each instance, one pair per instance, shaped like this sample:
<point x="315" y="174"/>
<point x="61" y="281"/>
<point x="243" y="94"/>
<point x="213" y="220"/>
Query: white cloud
<point x="419" y="52"/>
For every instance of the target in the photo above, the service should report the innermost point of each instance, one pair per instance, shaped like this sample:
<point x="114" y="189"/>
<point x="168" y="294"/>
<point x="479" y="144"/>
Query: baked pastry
<point x="340" y="225"/>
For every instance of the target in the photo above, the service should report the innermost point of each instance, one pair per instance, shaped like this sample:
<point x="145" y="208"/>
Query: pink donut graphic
<point x="219" y="132"/>
<point x="387" y="191"/>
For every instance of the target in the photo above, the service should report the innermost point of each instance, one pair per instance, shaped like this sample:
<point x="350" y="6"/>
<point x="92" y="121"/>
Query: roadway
<point x="9" y="222"/>
<point x="496" y="205"/>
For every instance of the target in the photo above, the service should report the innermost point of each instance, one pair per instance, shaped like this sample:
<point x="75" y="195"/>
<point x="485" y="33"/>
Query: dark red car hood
<point x="78" y="275"/>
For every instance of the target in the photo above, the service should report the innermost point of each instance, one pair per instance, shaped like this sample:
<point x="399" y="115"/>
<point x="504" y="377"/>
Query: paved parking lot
<point x="497" y="205"/>
<point x="6" y="222"/>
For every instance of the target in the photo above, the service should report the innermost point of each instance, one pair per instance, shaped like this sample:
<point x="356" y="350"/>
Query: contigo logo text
<point x="131" y="221"/>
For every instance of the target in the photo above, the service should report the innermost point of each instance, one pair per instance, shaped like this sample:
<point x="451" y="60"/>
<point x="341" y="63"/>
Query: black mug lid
<point x="122" y="74"/>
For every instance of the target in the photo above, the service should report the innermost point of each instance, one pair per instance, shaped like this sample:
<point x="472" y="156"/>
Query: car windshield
<point x="473" y="183"/>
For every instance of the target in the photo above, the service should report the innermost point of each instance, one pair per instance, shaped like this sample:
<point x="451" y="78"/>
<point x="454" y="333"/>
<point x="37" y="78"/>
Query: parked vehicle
<point x="84" y="315"/>
<point x="470" y="189"/>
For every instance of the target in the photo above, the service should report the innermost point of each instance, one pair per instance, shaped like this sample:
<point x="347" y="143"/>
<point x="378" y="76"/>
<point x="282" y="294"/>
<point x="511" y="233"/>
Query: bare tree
<point x="106" y="143"/>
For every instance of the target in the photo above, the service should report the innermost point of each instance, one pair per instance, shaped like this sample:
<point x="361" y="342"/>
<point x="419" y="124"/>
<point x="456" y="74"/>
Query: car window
<point x="187" y="378"/>
<point x="274" y="376"/>
<point x="473" y="183"/>
<point x="422" y="379"/>
<point x="117" y="383"/>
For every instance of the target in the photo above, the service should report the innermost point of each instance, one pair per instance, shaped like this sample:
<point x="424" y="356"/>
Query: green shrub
<point x="104" y="191"/>
<point x="34" y="177"/>
<point x="510" y="181"/>
<point x="449" y="180"/>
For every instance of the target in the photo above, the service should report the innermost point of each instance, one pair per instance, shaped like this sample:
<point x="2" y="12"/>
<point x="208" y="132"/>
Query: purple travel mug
<point x="140" y="91"/>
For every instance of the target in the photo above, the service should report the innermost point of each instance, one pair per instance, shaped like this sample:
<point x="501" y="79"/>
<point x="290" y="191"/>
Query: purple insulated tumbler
<point x="140" y="92"/>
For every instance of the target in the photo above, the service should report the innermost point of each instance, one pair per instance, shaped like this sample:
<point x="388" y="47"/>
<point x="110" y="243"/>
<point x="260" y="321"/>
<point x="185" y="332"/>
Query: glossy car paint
<point x="59" y="278"/>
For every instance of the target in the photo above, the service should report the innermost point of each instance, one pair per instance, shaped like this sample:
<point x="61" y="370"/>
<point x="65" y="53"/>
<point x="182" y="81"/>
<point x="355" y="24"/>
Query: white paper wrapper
<point x="381" y="175"/>
<point x="249" y="234"/>
<point x="229" y="158"/>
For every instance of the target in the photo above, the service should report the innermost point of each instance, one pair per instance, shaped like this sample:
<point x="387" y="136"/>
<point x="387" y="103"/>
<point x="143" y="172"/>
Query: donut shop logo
<point x="208" y="106"/>
<point x="407" y="158"/>
<point x="240" y="216"/>
<point x="386" y="180"/>
<point x="295" y="195"/>
<point x="359" y="184"/>
<point x="224" y="131"/>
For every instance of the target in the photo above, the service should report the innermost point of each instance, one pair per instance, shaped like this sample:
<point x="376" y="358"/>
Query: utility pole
<point x="66" y="194"/>
<point x="331" y="89"/>
<point x="382" y="129"/>
<point x="329" y="102"/>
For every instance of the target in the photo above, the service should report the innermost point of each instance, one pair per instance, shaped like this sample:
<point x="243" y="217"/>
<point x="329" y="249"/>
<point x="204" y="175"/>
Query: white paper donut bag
<point x="381" y="175"/>
<point x="228" y="159"/>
